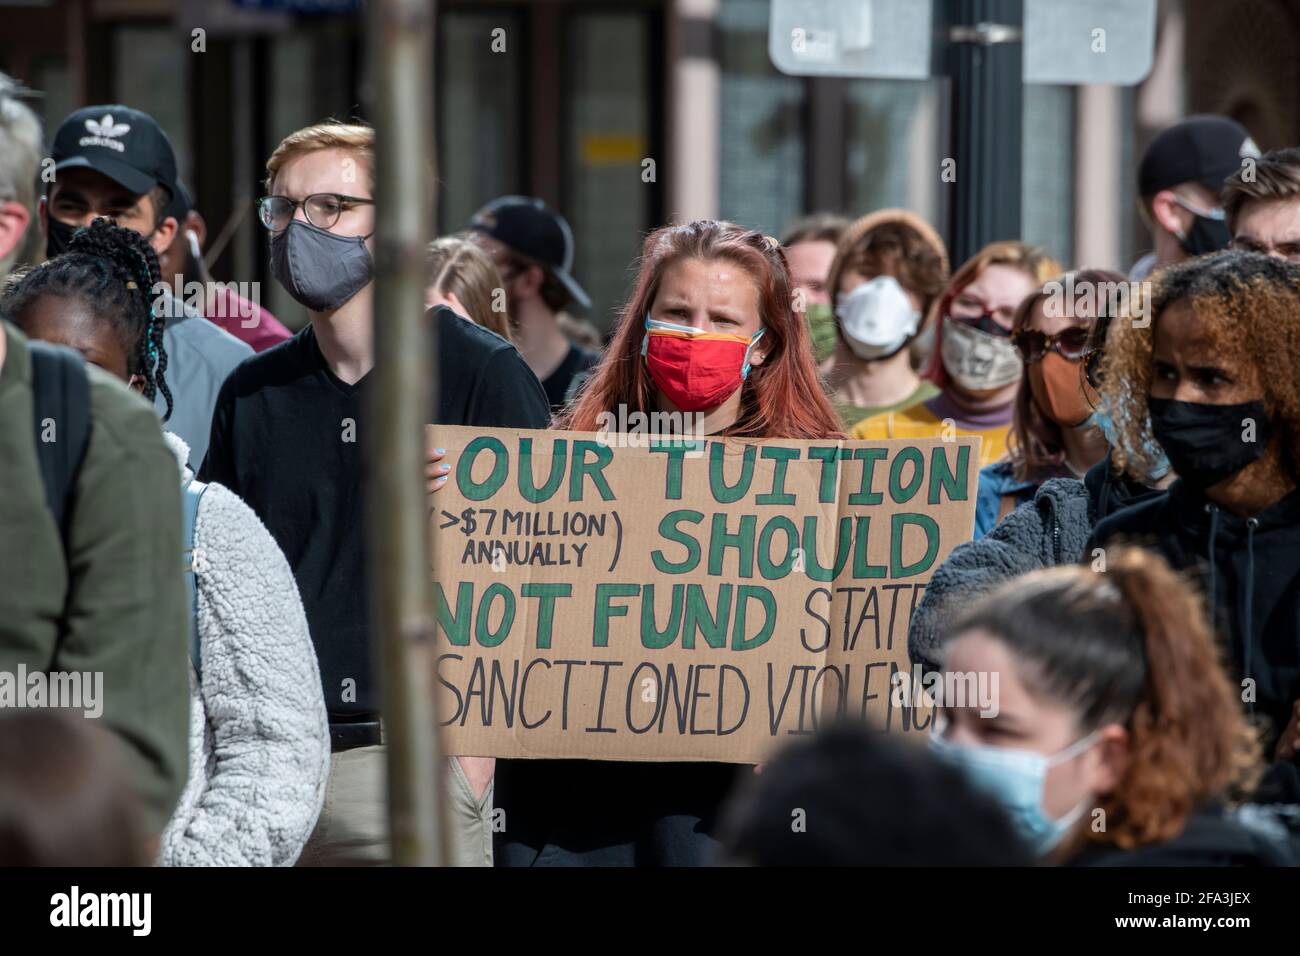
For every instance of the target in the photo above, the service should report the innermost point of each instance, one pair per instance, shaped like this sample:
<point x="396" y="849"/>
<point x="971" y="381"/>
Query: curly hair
<point x="1132" y="645"/>
<point x="1251" y="302"/>
<point x="114" y="271"/>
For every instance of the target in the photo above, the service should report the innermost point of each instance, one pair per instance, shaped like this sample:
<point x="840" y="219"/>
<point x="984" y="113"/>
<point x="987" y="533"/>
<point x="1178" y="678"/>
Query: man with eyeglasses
<point x="288" y="437"/>
<point x="1179" y="179"/>
<point x="1262" y="205"/>
<point x="116" y="162"/>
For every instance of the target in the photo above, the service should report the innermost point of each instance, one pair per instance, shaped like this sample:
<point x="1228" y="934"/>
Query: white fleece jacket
<point x="259" y="735"/>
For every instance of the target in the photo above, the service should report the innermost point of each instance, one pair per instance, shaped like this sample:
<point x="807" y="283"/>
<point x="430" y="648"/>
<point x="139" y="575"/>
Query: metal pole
<point x="985" y="62"/>
<point x="401" y="85"/>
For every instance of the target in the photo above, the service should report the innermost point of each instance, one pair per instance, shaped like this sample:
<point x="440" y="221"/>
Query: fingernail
<point x="440" y="451"/>
<point x="444" y="467"/>
<point x="442" y="479"/>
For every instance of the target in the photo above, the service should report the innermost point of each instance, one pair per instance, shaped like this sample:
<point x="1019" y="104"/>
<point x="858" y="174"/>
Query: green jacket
<point x="118" y="604"/>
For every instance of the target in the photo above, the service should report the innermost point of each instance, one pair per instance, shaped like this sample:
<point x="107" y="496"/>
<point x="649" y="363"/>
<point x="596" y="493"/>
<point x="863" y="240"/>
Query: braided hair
<point x="114" y="272"/>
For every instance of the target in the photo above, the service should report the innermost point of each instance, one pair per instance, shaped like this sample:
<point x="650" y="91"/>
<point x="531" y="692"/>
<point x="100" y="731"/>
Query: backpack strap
<point x="61" y="422"/>
<point x="194" y="563"/>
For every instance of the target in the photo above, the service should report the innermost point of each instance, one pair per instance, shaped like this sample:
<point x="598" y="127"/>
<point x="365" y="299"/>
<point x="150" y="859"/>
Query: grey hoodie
<point x="1049" y="530"/>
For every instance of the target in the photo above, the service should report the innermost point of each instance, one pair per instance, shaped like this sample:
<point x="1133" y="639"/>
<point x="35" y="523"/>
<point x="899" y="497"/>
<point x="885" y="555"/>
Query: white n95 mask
<point x="877" y="318"/>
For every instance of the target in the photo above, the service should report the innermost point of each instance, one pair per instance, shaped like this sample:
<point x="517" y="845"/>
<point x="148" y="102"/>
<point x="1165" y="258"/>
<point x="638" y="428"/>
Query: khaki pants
<point x="353" y="825"/>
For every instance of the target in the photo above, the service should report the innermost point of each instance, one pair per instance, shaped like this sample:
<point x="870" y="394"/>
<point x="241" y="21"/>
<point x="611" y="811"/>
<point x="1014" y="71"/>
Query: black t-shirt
<point x="577" y="360"/>
<point x="287" y="437"/>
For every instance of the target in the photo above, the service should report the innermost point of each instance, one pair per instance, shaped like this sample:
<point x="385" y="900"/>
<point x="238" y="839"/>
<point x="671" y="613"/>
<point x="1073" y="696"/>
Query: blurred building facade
<point x="626" y="113"/>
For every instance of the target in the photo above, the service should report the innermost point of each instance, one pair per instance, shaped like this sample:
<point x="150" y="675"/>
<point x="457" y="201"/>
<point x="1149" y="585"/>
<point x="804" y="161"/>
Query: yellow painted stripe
<point x="612" y="149"/>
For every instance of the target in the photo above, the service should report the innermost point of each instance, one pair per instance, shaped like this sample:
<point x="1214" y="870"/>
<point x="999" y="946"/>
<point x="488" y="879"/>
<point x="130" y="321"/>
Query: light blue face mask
<point x="1101" y="419"/>
<point x="1015" y="779"/>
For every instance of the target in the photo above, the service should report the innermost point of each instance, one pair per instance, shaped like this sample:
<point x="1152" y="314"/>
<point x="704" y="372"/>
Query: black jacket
<point x="1212" y="837"/>
<point x="1251" y="575"/>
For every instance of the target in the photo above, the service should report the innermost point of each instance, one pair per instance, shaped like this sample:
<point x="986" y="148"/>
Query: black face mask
<point x="58" y="236"/>
<point x="1204" y="442"/>
<point x="1206" y="235"/>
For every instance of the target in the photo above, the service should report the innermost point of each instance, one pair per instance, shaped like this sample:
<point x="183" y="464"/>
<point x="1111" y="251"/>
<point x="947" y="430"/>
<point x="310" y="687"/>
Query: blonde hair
<point x="460" y="267"/>
<point x="331" y="134"/>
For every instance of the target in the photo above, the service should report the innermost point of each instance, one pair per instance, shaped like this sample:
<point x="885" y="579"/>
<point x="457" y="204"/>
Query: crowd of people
<point x="1128" y="575"/>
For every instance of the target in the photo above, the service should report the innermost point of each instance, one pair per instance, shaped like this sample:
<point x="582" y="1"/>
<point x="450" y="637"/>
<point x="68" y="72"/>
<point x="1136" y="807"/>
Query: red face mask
<point x="695" y="369"/>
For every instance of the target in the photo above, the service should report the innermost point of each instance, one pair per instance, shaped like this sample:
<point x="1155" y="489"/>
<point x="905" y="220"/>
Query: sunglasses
<point x="1071" y="344"/>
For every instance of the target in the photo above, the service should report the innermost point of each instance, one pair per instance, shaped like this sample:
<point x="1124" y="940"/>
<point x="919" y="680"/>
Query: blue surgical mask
<point x="1015" y="779"/>
<point x="1102" y="420"/>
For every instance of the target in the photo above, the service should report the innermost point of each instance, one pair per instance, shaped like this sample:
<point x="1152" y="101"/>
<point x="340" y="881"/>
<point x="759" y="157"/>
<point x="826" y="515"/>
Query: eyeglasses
<point x="1070" y="344"/>
<point x="1092" y="367"/>
<point x="321" y="209"/>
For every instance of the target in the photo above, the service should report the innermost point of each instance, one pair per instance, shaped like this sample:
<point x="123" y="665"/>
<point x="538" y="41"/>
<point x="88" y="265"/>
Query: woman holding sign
<point x="710" y="337"/>
<point x="974" y="364"/>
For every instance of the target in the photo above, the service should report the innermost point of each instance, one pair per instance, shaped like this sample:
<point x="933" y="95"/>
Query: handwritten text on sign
<point x="678" y="601"/>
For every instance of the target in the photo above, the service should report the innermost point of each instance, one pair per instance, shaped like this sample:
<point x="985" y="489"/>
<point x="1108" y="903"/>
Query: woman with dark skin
<point x="1211" y="378"/>
<point x="256" y="709"/>
<point x="72" y="322"/>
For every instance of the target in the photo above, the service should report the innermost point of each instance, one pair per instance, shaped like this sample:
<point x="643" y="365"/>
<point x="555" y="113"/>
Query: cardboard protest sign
<point x="678" y="600"/>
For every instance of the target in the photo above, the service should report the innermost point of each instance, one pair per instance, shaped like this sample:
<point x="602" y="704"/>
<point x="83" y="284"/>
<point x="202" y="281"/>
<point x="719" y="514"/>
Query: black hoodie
<point x="1251" y="574"/>
<point x="1210" y="838"/>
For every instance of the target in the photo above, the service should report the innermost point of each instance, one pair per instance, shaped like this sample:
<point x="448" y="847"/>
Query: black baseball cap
<point x="181" y="202"/>
<point x="533" y="229"/>
<point x="123" y="144"/>
<point x="1204" y="149"/>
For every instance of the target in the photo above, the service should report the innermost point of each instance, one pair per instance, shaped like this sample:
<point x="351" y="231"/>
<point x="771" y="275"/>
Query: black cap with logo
<point x="1204" y="149"/>
<point x="123" y="144"/>
<point x="531" y="228"/>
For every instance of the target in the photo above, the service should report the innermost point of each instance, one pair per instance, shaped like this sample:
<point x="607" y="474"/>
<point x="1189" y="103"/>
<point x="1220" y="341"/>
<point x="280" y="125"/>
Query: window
<point x="607" y="137"/>
<point x="479" y="111"/>
<point x="761" y="145"/>
<point x="891" y="146"/>
<point x="1047" y="172"/>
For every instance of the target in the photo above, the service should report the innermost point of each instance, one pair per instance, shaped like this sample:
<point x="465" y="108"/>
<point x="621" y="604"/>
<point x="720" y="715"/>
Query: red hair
<point x="1031" y="261"/>
<point x="782" y="398"/>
